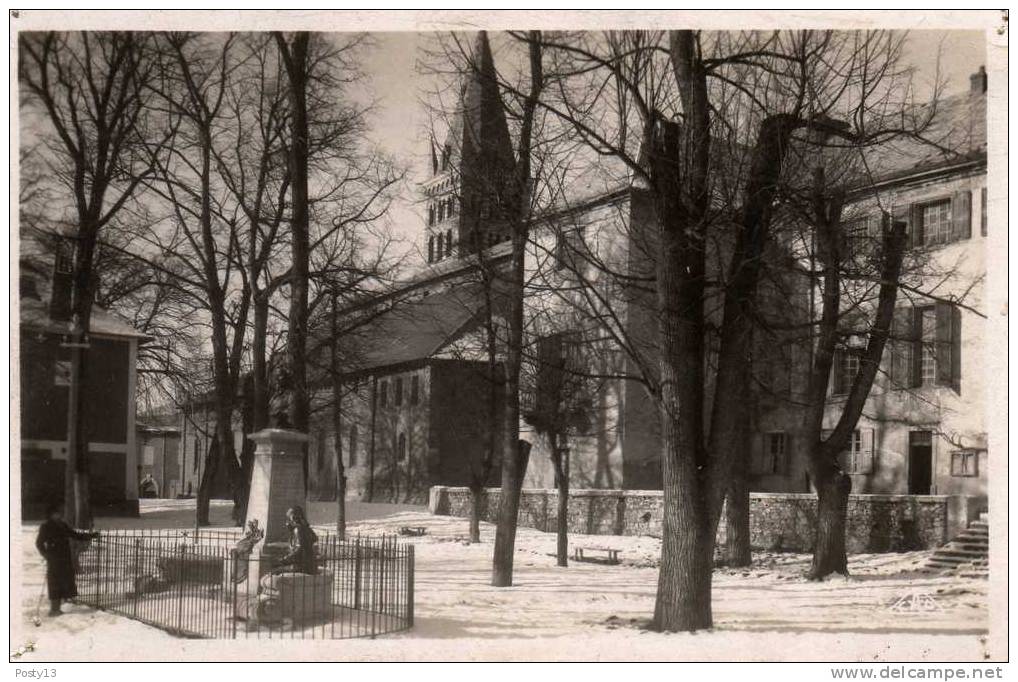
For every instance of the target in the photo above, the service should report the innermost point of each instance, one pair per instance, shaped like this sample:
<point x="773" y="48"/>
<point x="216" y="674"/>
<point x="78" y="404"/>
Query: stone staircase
<point x="967" y="554"/>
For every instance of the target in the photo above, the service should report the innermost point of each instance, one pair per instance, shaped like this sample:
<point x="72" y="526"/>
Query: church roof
<point x="410" y="331"/>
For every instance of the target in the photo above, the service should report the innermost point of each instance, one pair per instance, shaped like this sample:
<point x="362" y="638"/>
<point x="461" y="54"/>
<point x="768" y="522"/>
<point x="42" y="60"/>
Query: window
<point x="62" y="373"/>
<point x="441" y="211"/>
<point x="568" y="244"/>
<point x="936" y="222"/>
<point x="939" y="222"/>
<point x="770" y="458"/>
<point x="925" y="348"/>
<point x="448" y="242"/>
<point x="383" y="399"/>
<point x="451" y="209"/>
<point x="352" y="457"/>
<point x="858" y="457"/>
<point x="431" y="249"/>
<point x="415" y="389"/>
<point x="399" y="391"/>
<point x="401" y="447"/>
<point x="438" y="248"/>
<point x="64" y="257"/>
<point x="857" y="234"/>
<point x="846" y="366"/>
<point x="965" y="463"/>
<point x="431" y="215"/>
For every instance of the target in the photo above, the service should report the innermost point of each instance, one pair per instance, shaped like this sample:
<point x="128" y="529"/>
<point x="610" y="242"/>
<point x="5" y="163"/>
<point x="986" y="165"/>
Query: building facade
<point x="922" y="430"/>
<point x="44" y="371"/>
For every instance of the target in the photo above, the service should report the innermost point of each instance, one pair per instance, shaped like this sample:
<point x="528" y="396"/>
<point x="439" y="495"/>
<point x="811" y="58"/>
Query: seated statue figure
<point x="301" y="559"/>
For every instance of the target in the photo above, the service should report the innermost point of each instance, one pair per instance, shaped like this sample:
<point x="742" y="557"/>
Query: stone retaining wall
<point x="778" y="521"/>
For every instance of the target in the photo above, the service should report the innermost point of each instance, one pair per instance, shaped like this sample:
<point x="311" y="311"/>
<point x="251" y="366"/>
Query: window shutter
<point x="915" y="378"/>
<point x="982" y="212"/>
<point x="902" y="214"/>
<point x="901" y="332"/>
<point x="915" y="221"/>
<point x="945" y="353"/>
<point x="956" y="349"/>
<point x="865" y="462"/>
<point x="757" y="453"/>
<point x="837" y="367"/>
<point x="961" y="215"/>
<point x="786" y="454"/>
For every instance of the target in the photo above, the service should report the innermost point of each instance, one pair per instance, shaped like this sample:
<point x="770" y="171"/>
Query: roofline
<point x="919" y="174"/>
<point x="141" y="338"/>
<point x="401" y="366"/>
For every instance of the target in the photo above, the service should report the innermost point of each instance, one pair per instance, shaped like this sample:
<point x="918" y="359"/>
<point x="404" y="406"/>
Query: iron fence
<point x="195" y="585"/>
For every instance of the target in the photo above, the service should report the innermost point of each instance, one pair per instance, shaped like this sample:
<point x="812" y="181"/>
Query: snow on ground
<point x="587" y="611"/>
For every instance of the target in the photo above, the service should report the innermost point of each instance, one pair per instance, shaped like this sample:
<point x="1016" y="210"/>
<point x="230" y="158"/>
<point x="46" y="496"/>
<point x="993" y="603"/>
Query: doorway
<point x="920" y="462"/>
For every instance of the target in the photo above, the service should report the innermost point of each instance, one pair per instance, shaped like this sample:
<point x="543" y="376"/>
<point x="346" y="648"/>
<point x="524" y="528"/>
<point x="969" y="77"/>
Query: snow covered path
<point x="584" y="612"/>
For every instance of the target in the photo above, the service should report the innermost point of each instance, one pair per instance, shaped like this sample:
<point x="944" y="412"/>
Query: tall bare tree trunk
<point x="833" y="486"/>
<point x="737" y="534"/>
<point x="295" y="59"/>
<point x="259" y="364"/>
<point x="337" y="420"/>
<point x="684" y="580"/>
<point x="560" y="460"/>
<point x="516" y="452"/>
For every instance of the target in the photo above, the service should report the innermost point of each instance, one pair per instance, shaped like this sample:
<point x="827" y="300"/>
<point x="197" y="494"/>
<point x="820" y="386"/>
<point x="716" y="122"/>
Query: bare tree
<point x="194" y="77"/>
<point x="710" y="195"/>
<point x="91" y="90"/>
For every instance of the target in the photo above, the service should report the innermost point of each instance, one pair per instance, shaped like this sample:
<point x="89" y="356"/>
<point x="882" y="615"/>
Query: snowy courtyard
<point x="886" y="610"/>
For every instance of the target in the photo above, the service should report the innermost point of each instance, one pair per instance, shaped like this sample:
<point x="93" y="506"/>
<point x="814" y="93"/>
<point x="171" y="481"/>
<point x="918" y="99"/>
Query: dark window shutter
<point x="839" y="375"/>
<point x="915" y="221"/>
<point x="961" y="215"/>
<point x="945" y="354"/>
<point x="916" y="371"/>
<point x="758" y="453"/>
<point x="982" y="212"/>
<point x="956" y="348"/>
<point x="902" y="214"/>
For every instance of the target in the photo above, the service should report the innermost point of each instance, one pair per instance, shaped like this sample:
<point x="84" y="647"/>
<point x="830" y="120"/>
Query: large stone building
<point x="417" y="393"/>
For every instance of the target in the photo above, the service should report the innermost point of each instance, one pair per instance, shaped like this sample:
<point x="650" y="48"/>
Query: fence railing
<point x="195" y="585"/>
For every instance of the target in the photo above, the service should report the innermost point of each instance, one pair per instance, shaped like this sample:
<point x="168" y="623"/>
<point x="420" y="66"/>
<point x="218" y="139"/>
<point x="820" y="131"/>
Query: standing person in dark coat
<point x="54" y="543"/>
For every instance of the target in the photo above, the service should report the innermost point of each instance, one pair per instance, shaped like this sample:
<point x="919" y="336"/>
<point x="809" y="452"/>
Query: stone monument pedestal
<point x="277" y="481"/>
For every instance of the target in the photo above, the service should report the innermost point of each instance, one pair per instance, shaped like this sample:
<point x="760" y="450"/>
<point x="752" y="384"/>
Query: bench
<point x="413" y="531"/>
<point x="611" y="555"/>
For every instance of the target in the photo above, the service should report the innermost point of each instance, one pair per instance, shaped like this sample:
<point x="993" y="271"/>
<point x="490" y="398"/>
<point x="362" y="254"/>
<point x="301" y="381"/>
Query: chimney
<point x="63" y="274"/>
<point x="977" y="81"/>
